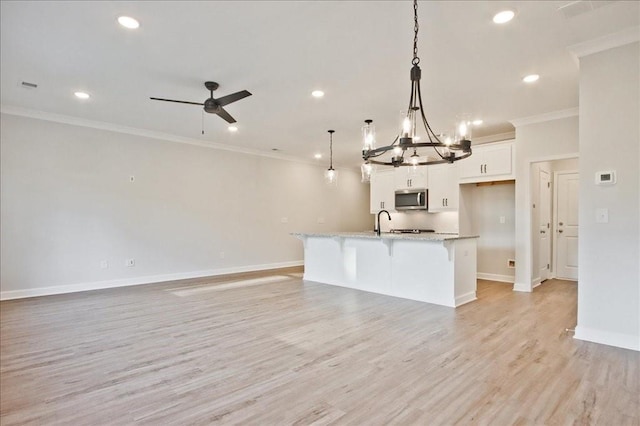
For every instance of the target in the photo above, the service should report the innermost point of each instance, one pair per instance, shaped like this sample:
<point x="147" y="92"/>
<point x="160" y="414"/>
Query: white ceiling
<point x="358" y="52"/>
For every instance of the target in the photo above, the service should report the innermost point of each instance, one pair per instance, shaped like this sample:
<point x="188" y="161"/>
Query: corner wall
<point x="609" y="253"/>
<point x="67" y="204"/>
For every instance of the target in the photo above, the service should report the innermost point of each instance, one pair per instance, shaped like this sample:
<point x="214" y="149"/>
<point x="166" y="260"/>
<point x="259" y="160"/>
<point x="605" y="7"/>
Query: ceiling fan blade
<point x="225" y="115"/>
<point x="179" y="102"/>
<point x="226" y="100"/>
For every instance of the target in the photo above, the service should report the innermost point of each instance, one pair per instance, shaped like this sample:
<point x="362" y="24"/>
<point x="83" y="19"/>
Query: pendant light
<point x="445" y="150"/>
<point x="331" y="174"/>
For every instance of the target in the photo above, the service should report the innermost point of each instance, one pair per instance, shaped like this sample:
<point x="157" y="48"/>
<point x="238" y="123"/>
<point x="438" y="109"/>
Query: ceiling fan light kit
<point x="213" y="105"/>
<point x="445" y="149"/>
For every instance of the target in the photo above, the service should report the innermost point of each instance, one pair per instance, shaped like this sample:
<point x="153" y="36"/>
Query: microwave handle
<point x="418" y="199"/>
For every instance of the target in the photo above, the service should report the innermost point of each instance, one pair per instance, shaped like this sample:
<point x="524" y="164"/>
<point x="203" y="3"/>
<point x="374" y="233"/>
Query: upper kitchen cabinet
<point x="382" y="190"/>
<point x="443" y="187"/>
<point x="409" y="177"/>
<point x="489" y="162"/>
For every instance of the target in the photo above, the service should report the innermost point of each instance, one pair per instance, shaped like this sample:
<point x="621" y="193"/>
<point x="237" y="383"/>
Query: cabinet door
<point x="411" y="177"/>
<point x="473" y="166"/>
<point x="488" y="162"/>
<point x="382" y="191"/>
<point x="497" y="160"/>
<point x="443" y="188"/>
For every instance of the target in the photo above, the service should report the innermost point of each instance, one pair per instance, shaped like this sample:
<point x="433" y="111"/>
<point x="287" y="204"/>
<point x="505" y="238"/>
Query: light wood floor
<point x="286" y="352"/>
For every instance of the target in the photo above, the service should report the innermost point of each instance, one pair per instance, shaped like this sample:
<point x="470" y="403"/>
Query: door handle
<point x="418" y="198"/>
<point x="560" y="231"/>
<point x="542" y="232"/>
<point x="560" y="224"/>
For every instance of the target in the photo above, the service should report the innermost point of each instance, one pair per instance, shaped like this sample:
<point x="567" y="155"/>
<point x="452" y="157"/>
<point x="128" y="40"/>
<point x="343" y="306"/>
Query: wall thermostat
<point x="606" y="178"/>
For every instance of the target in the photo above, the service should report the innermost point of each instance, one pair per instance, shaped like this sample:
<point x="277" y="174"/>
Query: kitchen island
<point x="430" y="267"/>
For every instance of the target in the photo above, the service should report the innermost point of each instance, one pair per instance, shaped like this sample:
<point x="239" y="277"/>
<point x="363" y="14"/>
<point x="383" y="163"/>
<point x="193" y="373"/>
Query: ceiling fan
<point x="213" y="105"/>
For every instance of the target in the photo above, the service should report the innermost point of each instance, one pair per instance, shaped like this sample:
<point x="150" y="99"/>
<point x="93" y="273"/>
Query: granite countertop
<point x="426" y="236"/>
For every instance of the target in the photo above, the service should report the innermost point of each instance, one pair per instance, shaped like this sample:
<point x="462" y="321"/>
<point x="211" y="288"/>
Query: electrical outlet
<point x="511" y="263"/>
<point x="130" y="262"/>
<point x="503" y="219"/>
<point x="104" y="264"/>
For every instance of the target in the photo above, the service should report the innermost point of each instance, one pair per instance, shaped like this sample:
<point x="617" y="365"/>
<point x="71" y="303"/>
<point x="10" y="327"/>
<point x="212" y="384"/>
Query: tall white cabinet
<point x="382" y="190"/>
<point x="443" y="188"/>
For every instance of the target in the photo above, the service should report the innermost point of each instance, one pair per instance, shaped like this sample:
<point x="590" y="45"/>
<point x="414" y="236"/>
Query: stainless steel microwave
<point x="411" y="199"/>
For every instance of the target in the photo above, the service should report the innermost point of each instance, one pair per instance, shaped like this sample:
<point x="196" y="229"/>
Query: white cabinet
<point x="488" y="162"/>
<point x="382" y="191"/>
<point x="409" y="177"/>
<point x="443" y="187"/>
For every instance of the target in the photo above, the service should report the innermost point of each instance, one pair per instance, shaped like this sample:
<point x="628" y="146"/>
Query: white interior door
<point x="567" y="226"/>
<point x="544" y="231"/>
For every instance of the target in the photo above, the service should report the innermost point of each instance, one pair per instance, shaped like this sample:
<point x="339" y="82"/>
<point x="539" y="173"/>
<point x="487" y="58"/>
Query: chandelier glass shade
<point x="413" y="147"/>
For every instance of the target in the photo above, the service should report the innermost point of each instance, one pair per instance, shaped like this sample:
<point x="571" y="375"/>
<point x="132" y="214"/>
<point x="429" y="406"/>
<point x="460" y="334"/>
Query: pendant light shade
<point x="331" y="174"/>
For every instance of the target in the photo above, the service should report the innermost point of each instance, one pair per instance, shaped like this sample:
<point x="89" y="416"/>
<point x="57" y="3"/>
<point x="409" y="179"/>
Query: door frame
<point x="551" y="201"/>
<point x="555" y="217"/>
<point x="524" y="255"/>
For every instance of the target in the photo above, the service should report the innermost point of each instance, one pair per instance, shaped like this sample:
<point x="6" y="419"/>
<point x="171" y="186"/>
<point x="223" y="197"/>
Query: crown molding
<point x="548" y="116"/>
<point x="494" y="138"/>
<point x="102" y="125"/>
<point x="610" y="41"/>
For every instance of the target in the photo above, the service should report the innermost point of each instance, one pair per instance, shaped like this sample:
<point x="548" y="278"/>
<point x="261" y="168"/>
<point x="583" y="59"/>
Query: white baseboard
<point x="150" y="279"/>
<point x="465" y="298"/>
<point x="525" y="287"/>
<point x="495" y="277"/>
<point x="620" y="340"/>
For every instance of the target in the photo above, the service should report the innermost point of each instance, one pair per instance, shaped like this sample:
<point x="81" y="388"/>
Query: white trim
<point x="102" y="125"/>
<point x="548" y="116"/>
<point x="524" y="287"/>
<point x="496" y="277"/>
<point x="620" y="340"/>
<point x="465" y="298"/>
<point x="535" y="282"/>
<point x="499" y="137"/>
<point x="150" y="279"/>
<point x="610" y="41"/>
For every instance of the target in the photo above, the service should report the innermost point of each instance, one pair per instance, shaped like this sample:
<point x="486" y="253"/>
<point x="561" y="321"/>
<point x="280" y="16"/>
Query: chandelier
<point x="404" y="150"/>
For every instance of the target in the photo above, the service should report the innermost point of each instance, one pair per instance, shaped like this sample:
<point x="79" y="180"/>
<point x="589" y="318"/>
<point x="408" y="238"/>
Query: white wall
<point x="67" y="204"/>
<point x="536" y="141"/>
<point x="496" y="244"/>
<point x="609" y="253"/>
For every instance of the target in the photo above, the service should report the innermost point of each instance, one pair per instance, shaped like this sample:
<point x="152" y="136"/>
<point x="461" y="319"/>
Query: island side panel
<point x="465" y="270"/>
<point x="323" y="260"/>
<point x="423" y="271"/>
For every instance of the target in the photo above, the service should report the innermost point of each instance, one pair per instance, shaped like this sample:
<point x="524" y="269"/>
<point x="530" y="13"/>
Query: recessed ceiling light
<point x="233" y="129"/>
<point x="317" y="156"/>
<point x="82" y="95"/>
<point x="503" y="17"/>
<point x="128" y="22"/>
<point x="477" y="122"/>
<point x="317" y="93"/>
<point x="531" y="78"/>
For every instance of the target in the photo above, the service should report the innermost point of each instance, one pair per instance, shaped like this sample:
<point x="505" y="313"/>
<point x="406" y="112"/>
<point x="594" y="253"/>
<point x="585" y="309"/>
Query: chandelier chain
<point x="415" y="60"/>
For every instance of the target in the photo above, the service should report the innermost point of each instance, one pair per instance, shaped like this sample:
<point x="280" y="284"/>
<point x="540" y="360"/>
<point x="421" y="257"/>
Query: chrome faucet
<point x="379" y="213"/>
